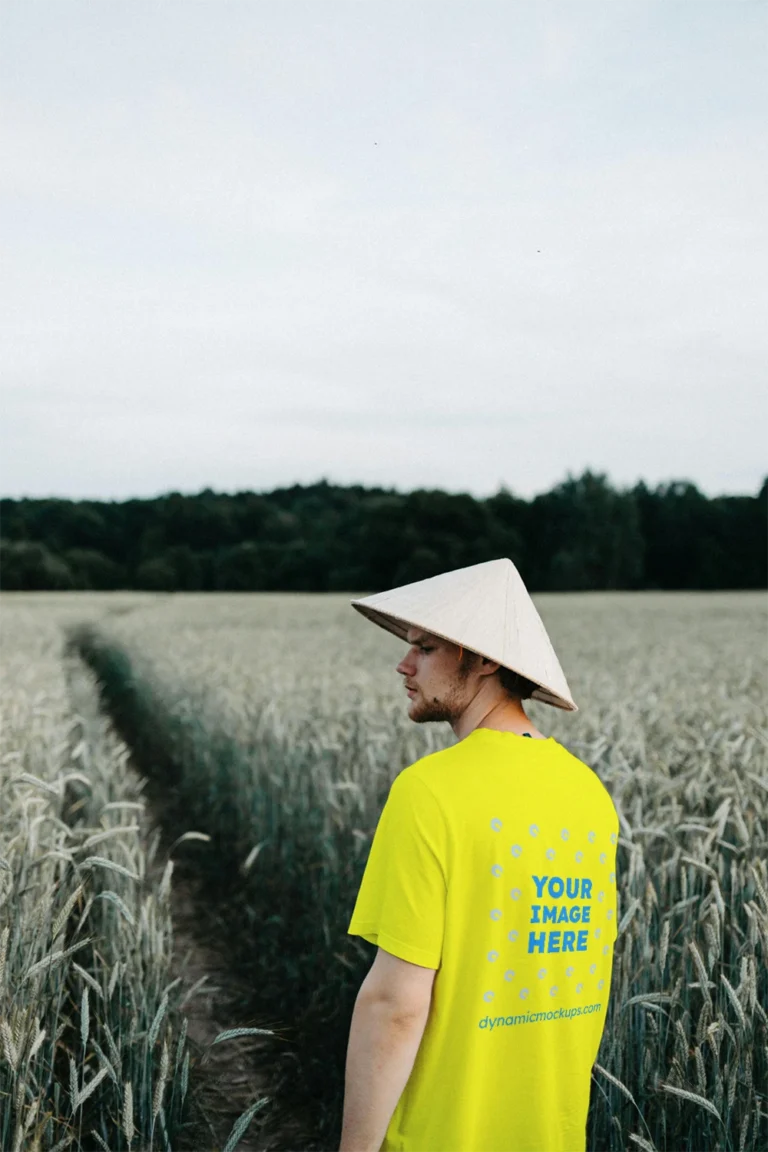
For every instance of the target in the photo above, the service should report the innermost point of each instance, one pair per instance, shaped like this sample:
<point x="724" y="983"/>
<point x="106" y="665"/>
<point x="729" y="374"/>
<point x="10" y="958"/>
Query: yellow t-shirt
<point x="494" y="862"/>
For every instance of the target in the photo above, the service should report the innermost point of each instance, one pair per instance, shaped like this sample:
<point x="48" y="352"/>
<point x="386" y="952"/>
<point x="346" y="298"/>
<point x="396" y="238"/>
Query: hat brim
<point x="398" y="626"/>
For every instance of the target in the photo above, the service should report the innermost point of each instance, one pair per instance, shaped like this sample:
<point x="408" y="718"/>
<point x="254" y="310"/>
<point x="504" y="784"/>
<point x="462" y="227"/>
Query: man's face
<point x="437" y="682"/>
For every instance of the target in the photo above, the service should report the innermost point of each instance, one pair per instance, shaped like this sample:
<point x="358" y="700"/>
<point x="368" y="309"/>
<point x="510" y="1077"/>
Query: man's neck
<point x="501" y="714"/>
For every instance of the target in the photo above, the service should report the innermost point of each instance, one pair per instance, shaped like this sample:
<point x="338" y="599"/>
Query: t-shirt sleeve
<point x="401" y="902"/>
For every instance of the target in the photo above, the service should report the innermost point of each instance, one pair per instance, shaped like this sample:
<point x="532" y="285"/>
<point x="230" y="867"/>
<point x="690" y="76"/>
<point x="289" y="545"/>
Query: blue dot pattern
<point x="547" y="888"/>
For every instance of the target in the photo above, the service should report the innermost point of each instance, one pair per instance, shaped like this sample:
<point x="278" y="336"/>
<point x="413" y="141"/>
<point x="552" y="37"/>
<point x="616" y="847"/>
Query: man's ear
<point x="488" y="667"/>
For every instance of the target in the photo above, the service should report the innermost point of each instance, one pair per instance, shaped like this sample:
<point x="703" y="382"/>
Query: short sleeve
<point x="401" y="902"/>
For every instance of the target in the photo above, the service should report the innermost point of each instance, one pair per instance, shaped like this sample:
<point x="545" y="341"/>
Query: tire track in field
<point x="223" y="1081"/>
<point x="225" y="1078"/>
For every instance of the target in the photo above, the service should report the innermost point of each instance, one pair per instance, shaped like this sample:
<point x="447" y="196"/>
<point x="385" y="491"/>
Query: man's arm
<point x="388" y="1023"/>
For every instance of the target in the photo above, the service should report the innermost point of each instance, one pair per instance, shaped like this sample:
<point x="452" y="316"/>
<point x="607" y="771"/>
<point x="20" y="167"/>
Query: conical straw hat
<point x="485" y="608"/>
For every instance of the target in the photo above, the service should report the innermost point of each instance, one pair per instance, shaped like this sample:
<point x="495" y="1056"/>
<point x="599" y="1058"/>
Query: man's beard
<point x="433" y="710"/>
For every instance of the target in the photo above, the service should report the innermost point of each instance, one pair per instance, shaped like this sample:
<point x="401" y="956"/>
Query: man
<point x="490" y="893"/>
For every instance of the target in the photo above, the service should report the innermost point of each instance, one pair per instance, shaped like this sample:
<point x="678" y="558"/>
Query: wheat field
<point x="274" y="725"/>
<point x="93" y="1044"/>
<point x="88" y="1039"/>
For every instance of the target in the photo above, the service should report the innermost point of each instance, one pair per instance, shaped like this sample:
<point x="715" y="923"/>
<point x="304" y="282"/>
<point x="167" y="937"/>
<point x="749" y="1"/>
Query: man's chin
<point x="428" y="715"/>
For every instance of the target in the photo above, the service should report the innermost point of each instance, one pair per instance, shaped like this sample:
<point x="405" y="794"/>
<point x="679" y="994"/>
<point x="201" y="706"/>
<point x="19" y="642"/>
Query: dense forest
<point x="582" y="535"/>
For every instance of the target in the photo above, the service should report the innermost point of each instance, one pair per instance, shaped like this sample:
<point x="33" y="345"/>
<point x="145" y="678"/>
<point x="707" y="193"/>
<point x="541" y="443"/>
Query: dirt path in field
<point x="223" y="1074"/>
<point x="224" y="1078"/>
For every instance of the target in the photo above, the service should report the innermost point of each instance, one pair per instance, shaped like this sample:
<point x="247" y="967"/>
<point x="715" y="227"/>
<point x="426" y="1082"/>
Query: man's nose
<point x="405" y="667"/>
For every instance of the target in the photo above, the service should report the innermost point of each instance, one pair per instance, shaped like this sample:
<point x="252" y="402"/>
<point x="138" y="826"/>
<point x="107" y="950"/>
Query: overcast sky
<point x="416" y="244"/>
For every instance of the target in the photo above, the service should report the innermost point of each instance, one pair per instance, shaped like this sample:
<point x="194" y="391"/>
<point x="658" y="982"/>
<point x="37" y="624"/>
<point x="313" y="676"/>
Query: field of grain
<point x="89" y="1050"/>
<point x="274" y="725"/>
<point x="93" y="1047"/>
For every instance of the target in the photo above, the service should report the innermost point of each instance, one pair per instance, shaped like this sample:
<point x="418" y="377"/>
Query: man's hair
<point x="520" y="687"/>
<point x="516" y="685"/>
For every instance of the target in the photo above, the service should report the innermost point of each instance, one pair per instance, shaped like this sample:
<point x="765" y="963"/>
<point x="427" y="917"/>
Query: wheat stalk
<point x="693" y="1097"/>
<point x="127" y="1117"/>
<point x="241" y="1125"/>
<point x="160" y="1086"/>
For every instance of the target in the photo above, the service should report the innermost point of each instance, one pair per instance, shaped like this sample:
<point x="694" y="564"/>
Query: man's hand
<point x="388" y="1023"/>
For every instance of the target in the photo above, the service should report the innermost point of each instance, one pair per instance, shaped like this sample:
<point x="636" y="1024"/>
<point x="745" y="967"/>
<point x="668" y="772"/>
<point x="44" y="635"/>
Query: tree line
<point x="582" y="535"/>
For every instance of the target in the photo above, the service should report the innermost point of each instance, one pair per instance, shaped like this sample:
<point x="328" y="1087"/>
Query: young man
<point x="490" y="893"/>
